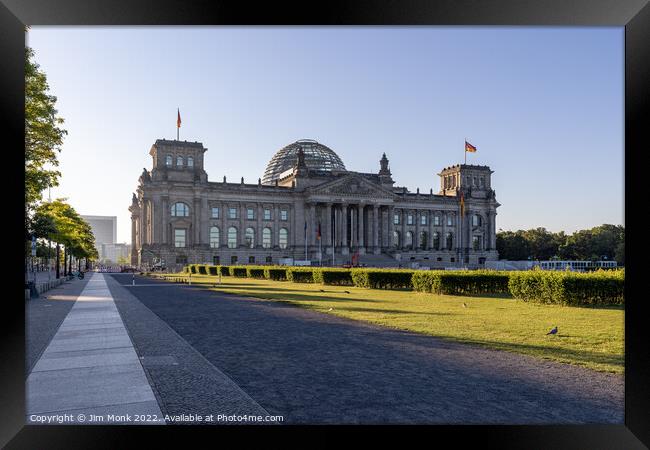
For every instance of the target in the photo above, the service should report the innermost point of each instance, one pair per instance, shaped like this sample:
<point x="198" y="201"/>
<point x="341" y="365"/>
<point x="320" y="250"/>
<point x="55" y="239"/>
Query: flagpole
<point x="465" y="151"/>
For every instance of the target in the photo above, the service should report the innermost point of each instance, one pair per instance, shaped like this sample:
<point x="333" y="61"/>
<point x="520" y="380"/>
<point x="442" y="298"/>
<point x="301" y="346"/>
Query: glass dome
<point x="317" y="157"/>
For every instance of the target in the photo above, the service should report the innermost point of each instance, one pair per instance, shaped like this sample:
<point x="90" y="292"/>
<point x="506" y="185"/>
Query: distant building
<point x="113" y="252"/>
<point x="308" y="206"/>
<point x="105" y="232"/>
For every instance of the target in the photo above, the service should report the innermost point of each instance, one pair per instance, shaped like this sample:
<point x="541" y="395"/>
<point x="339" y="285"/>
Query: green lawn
<point x="590" y="337"/>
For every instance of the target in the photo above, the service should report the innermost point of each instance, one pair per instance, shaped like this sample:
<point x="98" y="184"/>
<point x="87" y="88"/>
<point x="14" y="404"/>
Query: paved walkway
<point x="90" y="367"/>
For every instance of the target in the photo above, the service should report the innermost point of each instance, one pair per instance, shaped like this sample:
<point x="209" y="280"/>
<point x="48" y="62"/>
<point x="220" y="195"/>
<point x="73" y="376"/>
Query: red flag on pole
<point x="178" y="121"/>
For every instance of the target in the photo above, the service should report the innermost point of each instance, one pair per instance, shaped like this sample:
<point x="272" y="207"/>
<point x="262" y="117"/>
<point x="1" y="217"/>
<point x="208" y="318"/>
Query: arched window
<point x="180" y="209"/>
<point x="396" y="239"/>
<point x="436" y="220"/>
<point x="249" y="237"/>
<point x="168" y="160"/>
<point x="476" y="242"/>
<point x="232" y="237"/>
<point x="436" y="241"/>
<point x="214" y="237"/>
<point x="409" y="239"/>
<point x="266" y="238"/>
<point x="476" y="220"/>
<point x="190" y="161"/>
<point x="179" y="161"/>
<point x="450" y="241"/>
<point x="283" y="238"/>
<point x="423" y="239"/>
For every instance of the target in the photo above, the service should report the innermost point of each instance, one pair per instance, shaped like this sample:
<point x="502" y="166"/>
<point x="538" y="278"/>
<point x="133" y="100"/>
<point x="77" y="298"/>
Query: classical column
<point x="362" y="240"/>
<point x="164" y="213"/>
<point x="327" y="237"/>
<point x="197" y="221"/>
<point x="416" y="238"/>
<point x="312" y="220"/>
<point x="134" y="239"/>
<point x="242" y="224"/>
<point x="443" y="238"/>
<point x="143" y="222"/>
<point x="344" y="229"/>
<point x="404" y="214"/>
<point x="391" y="226"/>
<point x="375" y="229"/>
<point x="354" y="209"/>
<point x="275" y="239"/>
<point x="223" y="232"/>
<point x="430" y="215"/>
<point x="258" y="231"/>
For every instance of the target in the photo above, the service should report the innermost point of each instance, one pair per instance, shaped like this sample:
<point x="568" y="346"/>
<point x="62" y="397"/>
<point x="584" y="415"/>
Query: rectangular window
<point x="436" y="220"/>
<point x="250" y="213"/>
<point x="215" y="260"/>
<point x="267" y="214"/>
<point x="476" y="242"/>
<point x="269" y="259"/>
<point x="233" y="259"/>
<point x="232" y="213"/>
<point x="179" y="237"/>
<point x="284" y="214"/>
<point x="215" y="213"/>
<point x="251" y="260"/>
<point x="409" y="219"/>
<point x="450" y="220"/>
<point x="396" y="219"/>
<point x="423" y="220"/>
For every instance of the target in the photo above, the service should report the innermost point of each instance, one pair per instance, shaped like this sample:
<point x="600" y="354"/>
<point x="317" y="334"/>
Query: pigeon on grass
<point x="553" y="331"/>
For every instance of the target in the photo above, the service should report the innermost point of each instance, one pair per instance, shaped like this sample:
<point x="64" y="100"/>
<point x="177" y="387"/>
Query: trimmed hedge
<point x="275" y="273"/>
<point x="213" y="270"/>
<point x="461" y="282"/>
<point x="238" y="271"/>
<point x="202" y="269"/>
<point x="193" y="268"/>
<point x="336" y="277"/>
<point x="382" y="278"/>
<point x="301" y="274"/>
<point x="255" y="272"/>
<point x="569" y="288"/>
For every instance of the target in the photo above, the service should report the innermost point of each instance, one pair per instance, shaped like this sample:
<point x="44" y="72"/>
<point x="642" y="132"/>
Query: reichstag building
<point x="308" y="207"/>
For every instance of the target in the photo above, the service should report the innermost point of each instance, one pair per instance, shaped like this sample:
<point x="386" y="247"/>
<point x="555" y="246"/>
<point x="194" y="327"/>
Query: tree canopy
<point x="601" y="242"/>
<point x="43" y="134"/>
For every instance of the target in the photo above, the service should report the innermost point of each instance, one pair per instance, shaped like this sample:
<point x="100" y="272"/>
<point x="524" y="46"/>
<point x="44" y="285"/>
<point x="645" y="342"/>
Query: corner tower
<point x="178" y="161"/>
<point x="468" y="178"/>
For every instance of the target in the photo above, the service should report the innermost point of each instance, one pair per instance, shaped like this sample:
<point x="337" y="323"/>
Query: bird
<point x="464" y="305"/>
<point x="322" y="290"/>
<point x="330" y="309"/>
<point x="553" y="331"/>
<point x="347" y="292"/>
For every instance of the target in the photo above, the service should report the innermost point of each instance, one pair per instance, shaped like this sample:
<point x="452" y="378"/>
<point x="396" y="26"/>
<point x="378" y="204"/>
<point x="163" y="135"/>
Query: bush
<point x="461" y="282"/>
<point x="300" y="274"/>
<point x="569" y="288"/>
<point x="213" y="270"/>
<point x="193" y="268"/>
<point x="275" y="273"/>
<point x="255" y="272"/>
<point x="337" y="277"/>
<point x="382" y="278"/>
<point x="238" y="271"/>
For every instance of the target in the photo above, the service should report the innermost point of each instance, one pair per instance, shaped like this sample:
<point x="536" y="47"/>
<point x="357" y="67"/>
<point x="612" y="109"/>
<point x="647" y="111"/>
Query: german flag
<point x="178" y="120"/>
<point x="469" y="147"/>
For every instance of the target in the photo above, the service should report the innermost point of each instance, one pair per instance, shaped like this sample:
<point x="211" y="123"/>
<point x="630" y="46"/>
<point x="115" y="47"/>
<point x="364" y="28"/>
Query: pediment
<point x="351" y="186"/>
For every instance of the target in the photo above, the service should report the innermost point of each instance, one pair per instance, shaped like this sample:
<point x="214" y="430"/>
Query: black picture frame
<point x="634" y="15"/>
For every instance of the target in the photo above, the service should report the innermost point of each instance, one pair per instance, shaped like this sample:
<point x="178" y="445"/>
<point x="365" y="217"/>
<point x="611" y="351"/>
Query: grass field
<point x="589" y="337"/>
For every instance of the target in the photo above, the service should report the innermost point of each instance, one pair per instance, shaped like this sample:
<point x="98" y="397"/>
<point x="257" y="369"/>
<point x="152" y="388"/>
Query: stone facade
<point x="180" y="217"/>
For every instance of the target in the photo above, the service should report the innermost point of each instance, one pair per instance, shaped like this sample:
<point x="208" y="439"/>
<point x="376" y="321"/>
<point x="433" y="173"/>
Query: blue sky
<point x="543" y="105"/>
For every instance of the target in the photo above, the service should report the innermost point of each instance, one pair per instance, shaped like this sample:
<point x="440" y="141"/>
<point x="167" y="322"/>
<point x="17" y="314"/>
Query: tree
<point x="74" y="233"/>
<point x="43" y="134"/>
